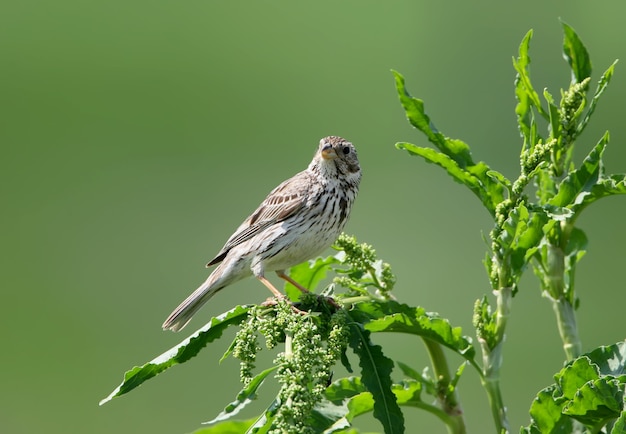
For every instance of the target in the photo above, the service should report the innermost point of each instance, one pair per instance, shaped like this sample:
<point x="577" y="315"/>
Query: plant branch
<point x="446" y="391"/>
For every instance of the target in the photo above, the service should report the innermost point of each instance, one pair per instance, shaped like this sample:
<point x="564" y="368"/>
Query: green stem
<point x="448" y="399"/>
<point x="491" y="382"/>
<point x="566" y="321"/>
<point x="562" y="302"/>
<point x="492" y="360"/>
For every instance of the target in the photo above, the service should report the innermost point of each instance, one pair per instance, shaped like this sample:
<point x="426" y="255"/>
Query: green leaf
<point x="401" y="318"/>
<point x="328" y="417"/>
<point x="424" y="379"/>
<point x="244" y="397"/>
<point x="547" y="414"/>
<point x="348" y="399"/>
<point x="526" y="95"/>
<point x="581" y="180"/>
<point x="228" y="427"/>
<point x="520" y="238"/>
<point x="589" y="389"/>
<point x="409" y="393"/>
<point x="376" y="376"/>
<point x="523" y="109"/>
<point x="587" y="183"/>
<point x="619" y="427"/>
<point x="607" y="186"/>
<point x="602" y="85"/>
<point x="611" y="360"/>
<point x="263" y="423"/>
<point x="414" y="109"/>
<point x="344" y="388"/>
<point x="555" y="115"/>
<point x="575" y="375"/>
<point x="308" y="274"/>
<point x="500" y="178"/>
<point x="490" y="193"/>
<point x="597" y="402"/>
<point x="180" y="353"/>
<point x="576" y="54"/>
<point x="344" y="400"/>
<point x="489" y="190"/>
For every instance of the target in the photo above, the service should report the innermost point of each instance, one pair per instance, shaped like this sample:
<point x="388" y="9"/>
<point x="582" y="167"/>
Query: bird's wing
<point x="282" y="202"/>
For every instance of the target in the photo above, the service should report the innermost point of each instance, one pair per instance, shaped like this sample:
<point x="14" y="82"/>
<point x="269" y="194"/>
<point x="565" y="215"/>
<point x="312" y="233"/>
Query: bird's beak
<point x="328" y="153"/>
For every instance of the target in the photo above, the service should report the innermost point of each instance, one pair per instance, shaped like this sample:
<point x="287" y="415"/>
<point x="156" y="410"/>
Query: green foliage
<point x="312" y="332"/>
<point x="181" y="353"/>
<point x="454" y="156"/>
<point x="589" y="390"/>
<point x="539" y="232"/>
<point x="376" y="377"/>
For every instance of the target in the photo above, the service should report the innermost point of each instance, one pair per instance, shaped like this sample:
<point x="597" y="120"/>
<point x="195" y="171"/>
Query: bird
<point x="297" y="221"/>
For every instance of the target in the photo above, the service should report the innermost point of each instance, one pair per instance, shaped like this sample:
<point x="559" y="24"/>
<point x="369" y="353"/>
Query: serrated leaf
<point x="180" y="353"/>
<point x="523" y="109"/>
<point x="580" y="181"/>
<point x="402" y="318"/>
<point x="500" y="178"/>
<point x="611" y="360"/>
<point x="597" y="402"/>
<point x="244" y="397"/>
<point x="547" y="415"/>
<point x="345" y="399"/>
<point x="557" y="213"/>
<point x="590" y="389"/>
<point x="575" y="375"/>
<point x="526" y="95"/>
<point x="576" y="54"/>
<point x="555" y="114"/>
<point x="344" y="388"/>
<point x="263" y="423"/>
<point x="376" y="376"/>
<point x="587" y="184"/>
<point x="619" y="427"/>
<point x="414" y="109"/>
<point x="607" y="186"/>
<point x="329" y="417"/>
<point x="228" y="427"/>
<point x="602" y="85"/>
<point x="344" y="403"/>
<point x="521" y="235"/>
<point x="490" y="193"/>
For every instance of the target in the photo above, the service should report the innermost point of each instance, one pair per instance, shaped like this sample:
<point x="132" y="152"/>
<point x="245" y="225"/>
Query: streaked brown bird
<point x="298" y="220"/>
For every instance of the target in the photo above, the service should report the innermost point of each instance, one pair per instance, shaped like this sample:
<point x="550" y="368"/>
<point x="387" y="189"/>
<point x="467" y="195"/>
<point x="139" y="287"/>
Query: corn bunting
<point x="298" y="220"/>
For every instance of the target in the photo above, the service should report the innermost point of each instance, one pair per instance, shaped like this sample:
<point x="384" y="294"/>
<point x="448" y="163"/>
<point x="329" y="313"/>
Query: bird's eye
<point x="346" y="150"/>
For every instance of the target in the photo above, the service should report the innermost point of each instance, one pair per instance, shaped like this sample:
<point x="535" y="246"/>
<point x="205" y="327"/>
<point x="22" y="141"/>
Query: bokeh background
<point x="137" y="135"/>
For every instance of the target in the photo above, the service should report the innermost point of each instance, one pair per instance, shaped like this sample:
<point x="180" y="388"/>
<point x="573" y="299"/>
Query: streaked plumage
<point x="298" y="220"/>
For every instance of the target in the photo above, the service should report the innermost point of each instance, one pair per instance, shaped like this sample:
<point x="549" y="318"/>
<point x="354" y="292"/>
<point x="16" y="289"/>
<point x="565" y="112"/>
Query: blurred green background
<point x="137" y="135"/>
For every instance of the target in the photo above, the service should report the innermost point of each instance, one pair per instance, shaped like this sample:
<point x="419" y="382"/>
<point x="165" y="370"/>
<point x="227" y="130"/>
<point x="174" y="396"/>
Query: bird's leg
<point x="282" y="275"/>
<point x="271" y="287"/>
<point x="279" y="295"/>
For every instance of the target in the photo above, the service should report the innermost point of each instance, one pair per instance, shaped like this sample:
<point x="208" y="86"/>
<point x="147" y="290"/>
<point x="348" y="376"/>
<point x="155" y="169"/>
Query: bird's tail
<point x="187" y="309"/>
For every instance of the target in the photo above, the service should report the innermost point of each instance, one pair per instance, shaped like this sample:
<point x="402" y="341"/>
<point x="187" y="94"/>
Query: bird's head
<point x="340" y="152"/>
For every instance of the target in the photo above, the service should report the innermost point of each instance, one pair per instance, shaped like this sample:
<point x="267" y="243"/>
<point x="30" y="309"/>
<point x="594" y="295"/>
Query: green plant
<point x="588" y="393"/>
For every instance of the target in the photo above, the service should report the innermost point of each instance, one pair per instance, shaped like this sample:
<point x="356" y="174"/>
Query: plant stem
<point x="566" y="321"/>
<point x="562" y="302"/>
<point x="491" y="382"/>
<point x="492" y="360"/>
<point x="448" y="397"/>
